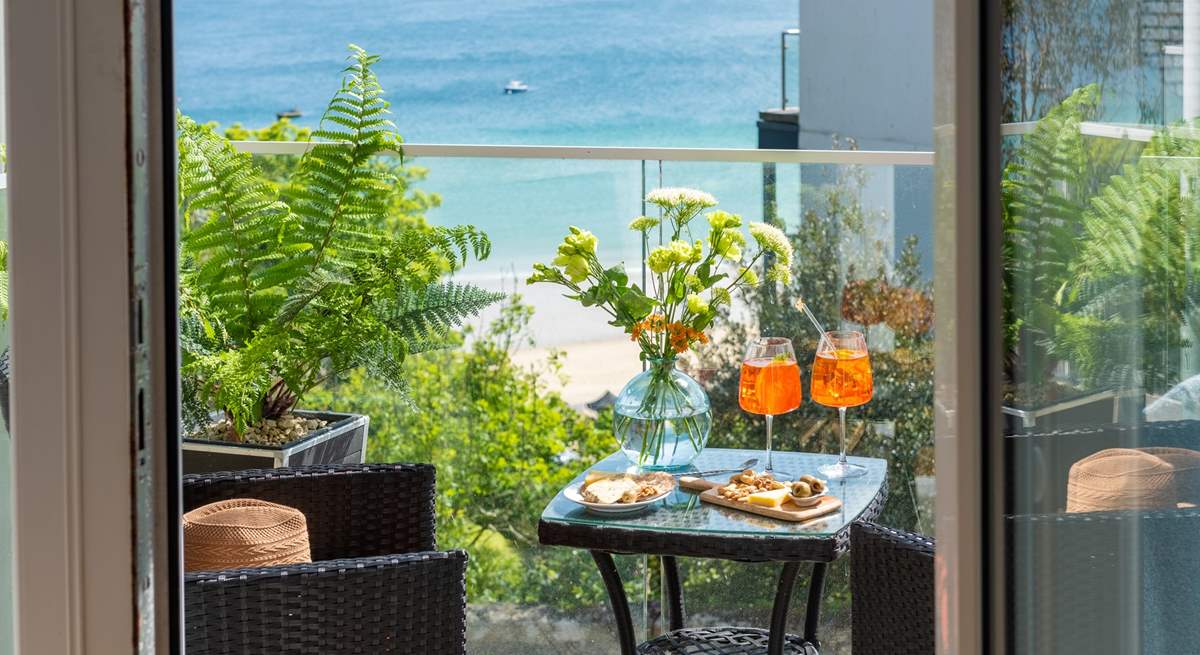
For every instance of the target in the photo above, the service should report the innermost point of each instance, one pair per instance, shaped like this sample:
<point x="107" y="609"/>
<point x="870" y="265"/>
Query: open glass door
<point x="1101" y="317"/>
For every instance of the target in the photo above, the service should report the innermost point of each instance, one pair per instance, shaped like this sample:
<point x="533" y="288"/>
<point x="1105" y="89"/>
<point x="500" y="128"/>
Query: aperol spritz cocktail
<point x="769" y="386"/>
<point x="770" y="381"/>
<point x="841" y="378"/>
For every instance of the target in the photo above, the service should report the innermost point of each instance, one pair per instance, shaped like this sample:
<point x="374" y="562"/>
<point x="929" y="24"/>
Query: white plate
<point x="572" y="493"/>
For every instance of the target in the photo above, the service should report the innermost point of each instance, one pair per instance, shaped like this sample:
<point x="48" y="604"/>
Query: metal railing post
<point x="783" y="69"/>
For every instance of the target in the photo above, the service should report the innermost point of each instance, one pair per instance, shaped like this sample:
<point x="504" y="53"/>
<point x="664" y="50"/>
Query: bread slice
<point x="610" y="491"/>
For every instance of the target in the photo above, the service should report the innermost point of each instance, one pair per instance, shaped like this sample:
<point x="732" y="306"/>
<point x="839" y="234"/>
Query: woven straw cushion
<point x="1134" y="478"/>
<point x="243" y="533"/>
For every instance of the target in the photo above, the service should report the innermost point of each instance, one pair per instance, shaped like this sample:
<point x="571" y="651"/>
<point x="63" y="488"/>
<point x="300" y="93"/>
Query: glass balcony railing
<point x="518" y="410"/>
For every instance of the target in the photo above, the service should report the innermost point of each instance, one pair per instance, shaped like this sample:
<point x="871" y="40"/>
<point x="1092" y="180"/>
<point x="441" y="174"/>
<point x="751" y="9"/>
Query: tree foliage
<point x="1099" y="257"/>
<point x="503" y="444"/>
<point x="1048" y="46"/>
<point x="1134" y="283"/>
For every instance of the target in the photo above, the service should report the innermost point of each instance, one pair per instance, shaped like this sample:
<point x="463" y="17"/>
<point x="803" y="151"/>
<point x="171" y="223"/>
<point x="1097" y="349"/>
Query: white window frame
<point x="969" y="557"/>
<point x="86" y="168"/>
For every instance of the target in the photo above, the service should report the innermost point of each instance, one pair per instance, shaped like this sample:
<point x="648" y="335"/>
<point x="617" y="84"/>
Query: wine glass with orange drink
<point x="770" y="381"/>
<point x="841" y="378"/>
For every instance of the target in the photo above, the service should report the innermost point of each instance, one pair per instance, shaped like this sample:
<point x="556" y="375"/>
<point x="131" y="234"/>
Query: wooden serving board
<point x="786" y="512"/>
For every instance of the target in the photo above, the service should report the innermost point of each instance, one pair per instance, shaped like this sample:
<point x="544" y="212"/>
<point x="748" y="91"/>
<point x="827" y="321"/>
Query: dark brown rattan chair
<point x="377" y="584"/>
<point x="891" y="581"/>
<point x="1119" y="581"/>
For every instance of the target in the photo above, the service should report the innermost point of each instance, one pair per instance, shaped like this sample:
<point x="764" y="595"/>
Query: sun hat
<point x="243" y="533"/>
<point x="1134" y="478"/>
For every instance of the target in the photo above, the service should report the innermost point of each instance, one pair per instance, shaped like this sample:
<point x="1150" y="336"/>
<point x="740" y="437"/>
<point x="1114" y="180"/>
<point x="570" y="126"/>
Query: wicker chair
<point x="891" y="582"/>
<point x="1099" y="581"/>
<point x="1042" y="461"/>
<point x="376" y="584"/>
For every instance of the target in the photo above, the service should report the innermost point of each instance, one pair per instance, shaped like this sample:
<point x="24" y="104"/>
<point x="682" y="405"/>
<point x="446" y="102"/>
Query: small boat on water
<point x="515" y="86"/>
<point x="294" y="112"/>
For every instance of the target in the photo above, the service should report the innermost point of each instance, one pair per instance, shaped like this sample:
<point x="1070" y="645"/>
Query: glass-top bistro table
<point x="682" y="526"/>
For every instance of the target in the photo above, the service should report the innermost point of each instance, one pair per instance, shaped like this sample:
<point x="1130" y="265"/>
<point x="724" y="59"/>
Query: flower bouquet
<point x="662" y="417"/>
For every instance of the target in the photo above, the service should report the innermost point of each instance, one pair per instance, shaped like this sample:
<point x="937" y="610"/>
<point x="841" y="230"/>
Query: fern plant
<point x="1044" y="193"/>
<point x="1136" y="280"/>
<point x="281" y="294"/>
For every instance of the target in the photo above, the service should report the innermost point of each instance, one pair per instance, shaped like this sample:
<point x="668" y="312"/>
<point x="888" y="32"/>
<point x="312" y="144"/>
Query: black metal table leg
<point x="616" y="597"/>
<point x="812" y="610"/>
<point x="783" y="597"/>
<point x="670" y="569"/>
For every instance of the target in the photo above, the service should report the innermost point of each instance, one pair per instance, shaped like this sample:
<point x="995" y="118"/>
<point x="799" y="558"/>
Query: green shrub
<point x="503" y="445"/>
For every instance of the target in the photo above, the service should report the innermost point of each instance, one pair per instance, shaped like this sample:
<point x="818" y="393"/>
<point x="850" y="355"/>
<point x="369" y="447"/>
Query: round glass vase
<point x="662" y="417"/>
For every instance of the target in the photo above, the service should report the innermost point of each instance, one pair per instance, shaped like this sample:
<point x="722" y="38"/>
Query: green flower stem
<point x="745" y="268"/>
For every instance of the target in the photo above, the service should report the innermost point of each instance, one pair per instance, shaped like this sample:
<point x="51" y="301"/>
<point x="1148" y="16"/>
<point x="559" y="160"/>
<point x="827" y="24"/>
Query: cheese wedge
<point x="772" y="498"/>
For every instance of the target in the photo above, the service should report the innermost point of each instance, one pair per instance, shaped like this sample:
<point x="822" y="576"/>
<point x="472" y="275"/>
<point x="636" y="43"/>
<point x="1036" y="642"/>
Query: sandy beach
<point x="595" y="356"/>
<point x="590" y="368"/>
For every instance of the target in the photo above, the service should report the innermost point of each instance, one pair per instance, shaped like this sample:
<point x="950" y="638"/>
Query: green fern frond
<point x="429" y="314"/>
<point x="1133" y="284"/>
<point x="340" y="199"/>
<point x="304" y="291"/>
<point x="234" y="247"/>
<point x="307" y="291"/>
<point x="423" y="255"/>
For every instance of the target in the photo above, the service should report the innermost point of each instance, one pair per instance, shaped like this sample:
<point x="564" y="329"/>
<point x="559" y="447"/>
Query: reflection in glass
<point x="1101" y="323"/>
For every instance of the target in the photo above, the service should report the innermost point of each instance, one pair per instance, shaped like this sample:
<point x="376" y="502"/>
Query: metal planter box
<point x="342" y="441"/>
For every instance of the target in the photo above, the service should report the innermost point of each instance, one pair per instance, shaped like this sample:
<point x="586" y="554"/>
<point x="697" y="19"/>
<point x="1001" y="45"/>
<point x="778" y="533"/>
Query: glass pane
<point x="521" y="404"/>
<point x="1102" y="365"/>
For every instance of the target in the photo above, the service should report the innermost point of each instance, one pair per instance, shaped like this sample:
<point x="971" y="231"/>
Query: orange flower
<point x="652" y="323"/>
<point x="679" y="336"/>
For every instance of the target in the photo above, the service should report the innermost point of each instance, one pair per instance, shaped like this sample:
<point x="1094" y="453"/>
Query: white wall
<point x="866" y="70"/>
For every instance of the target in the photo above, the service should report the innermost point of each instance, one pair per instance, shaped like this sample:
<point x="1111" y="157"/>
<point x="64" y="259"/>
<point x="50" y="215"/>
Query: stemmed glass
<point x="841" y="378"/>
<point x="770" y="381"/>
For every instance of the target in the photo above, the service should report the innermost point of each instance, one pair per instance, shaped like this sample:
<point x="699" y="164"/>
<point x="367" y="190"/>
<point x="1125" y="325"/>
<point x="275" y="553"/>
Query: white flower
<point x="672" y="197"/>
<point x="642" y="223"/>
<point x="773" y="240"/>
<point x="779" y="272"/>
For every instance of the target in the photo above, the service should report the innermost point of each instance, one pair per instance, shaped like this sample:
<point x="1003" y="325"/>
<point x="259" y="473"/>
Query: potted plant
<point x="286" y="289"/>
<point x="662" y="417"/>
<point x="1099" y="291"/>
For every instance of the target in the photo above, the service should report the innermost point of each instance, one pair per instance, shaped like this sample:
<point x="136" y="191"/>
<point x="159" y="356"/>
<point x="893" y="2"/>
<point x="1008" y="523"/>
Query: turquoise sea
<point x="608" y="72"/>
<point x="601" y="72"/>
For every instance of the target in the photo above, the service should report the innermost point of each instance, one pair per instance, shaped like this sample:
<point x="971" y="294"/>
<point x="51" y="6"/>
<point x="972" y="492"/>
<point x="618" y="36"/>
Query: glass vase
<point x="662" y="417"/>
